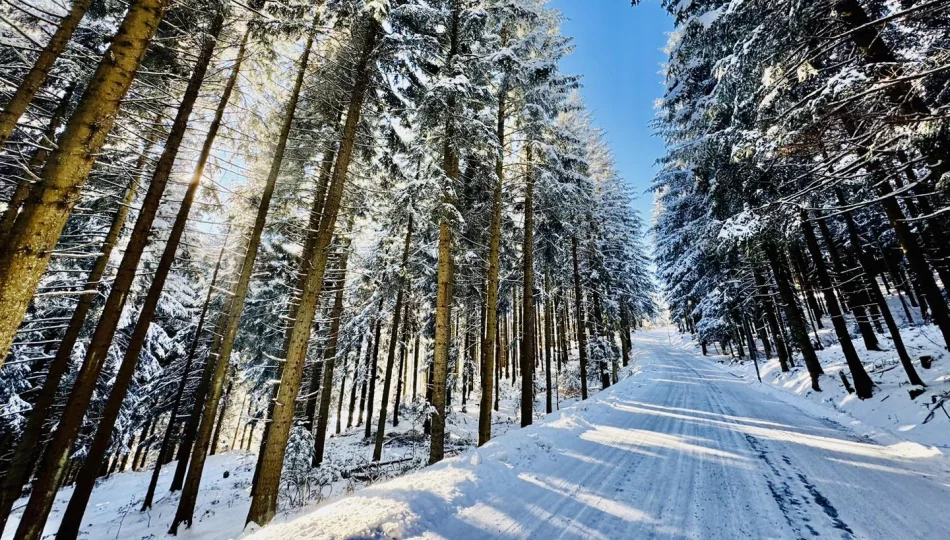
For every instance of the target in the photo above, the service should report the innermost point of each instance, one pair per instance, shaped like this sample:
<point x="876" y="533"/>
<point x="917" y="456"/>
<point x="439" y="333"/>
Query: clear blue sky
<point x="619" y="52"/>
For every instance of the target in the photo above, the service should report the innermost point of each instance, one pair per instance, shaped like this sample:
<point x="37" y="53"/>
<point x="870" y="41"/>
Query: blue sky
<point x="619" y="52"/>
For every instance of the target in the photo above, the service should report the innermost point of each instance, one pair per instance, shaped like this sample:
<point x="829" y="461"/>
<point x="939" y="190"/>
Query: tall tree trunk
<point x="579" y="310"/>
<point x="356" y="380"/>
<point x="225" y="401"/>
<point x="444" y="271"/>
<point x="876" y="295"/>
<point x="923" y="277"/>
<point x="368" y="391"/>
<point x="415" y="364"/>
<point x="599" y="328"/>
<point x="31" y="242"/>
<point x="794" y="316"/>
<point x="624" y="334"/>
<point x="528" y="343"/>
<point x="372" y="373"/>
<point x="857" y="297"/>
<point x="165" y="448"/>
<point x="54" y="462"/>
<point x="37" y="74"/>
<point x="862" y="381"/>
<point x="329" y="359"/>
<point x="85" y="482"/>
<point x="224" y="342"/>
<point x="403" y="358"/>
<point x="548" y="338"/>
<point x="393" y="345"/>
<point x="264" y="501"/>
<point x="35" y="165"/>
<point x="339" y="403"/>
<point x="28" y="449"/>
<point x="491" y="294"/>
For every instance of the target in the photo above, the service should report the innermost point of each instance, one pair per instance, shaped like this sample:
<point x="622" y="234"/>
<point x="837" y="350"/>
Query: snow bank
<point x="890" y="416"/>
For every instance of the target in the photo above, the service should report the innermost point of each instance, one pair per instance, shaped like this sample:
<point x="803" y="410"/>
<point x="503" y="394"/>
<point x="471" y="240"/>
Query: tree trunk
<point x="339" y="403"/>
<point x="862" y="381"/>
<point x="794" y="316"/>
<point x="548" y="338"/>
<point x="528" y="344"/>
<point x="179" y="393"/>
<point x="415" y="365"/>
<point x="29" y="449"/>
<point x="264" y="501"/>
<point x="579" y="314"/>
<point x="372" y="373"/>
<point x="876" y="295"/>
<point x="444" y="271"/>
<point x="34" y="78"/>
<point x="393" y="344"/>
<point x="61" y="444"/>
<point x="356" y="380"/>
<point x="857" y="297"/>
<point x="31" y="242"/>
<point x="368" y="389"/>
<point x="491" y="294"/>
<point x="232" y="315"/>
<point x="923" y="277"/>
<point x="403" y="357"/>
<point x="35" y="165"/>
<point x="217" y="427"/>
<point x="624" y="334"/>
<point x="329" y="359"/>
<point x="73" y="516"/>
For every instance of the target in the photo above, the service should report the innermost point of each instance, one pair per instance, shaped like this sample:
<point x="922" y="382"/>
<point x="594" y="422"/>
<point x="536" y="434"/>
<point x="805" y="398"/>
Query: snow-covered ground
<point x="113" y="511"/>
<point x="890" y="414"/>
<point x="683" y="449"/>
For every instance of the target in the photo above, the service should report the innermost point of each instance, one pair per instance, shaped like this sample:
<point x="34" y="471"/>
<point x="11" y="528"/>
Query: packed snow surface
<point x="683" y="449"/>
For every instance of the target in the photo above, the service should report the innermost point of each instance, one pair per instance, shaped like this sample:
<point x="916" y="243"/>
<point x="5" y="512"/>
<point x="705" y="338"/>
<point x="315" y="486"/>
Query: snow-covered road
<point x="682" y="449"/>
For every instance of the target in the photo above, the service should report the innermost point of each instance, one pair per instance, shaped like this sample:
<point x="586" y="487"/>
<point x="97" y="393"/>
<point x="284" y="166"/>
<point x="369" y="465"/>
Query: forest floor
<point x="890" y="415"/>
<point x="682" y="447"/>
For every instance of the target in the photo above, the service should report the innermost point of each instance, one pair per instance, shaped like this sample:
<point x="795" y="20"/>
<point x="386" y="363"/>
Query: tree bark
<point x="548" y="338"/>
<point x="579" y="310"/>
<point x="28" y="449"/>
<point x="528" y="343"/>
<point x="794" y="316"/>
<point x="85" y="482"/>
<point x="444" y="271"/>
<point x="264" y="501"/>
<point x="31" y="242"/>
<point x="54" y="462"/>
<point x="179" y="393"/>
<point x="393" y="344"/>
<point x="862" y="381"/>
<point x="857" y="297"/>
<point x="23" y="187"/>
<point x="37" y="74"/>
<point x="403" y="358"/>
<point x="329" y="359"/>
<point x="232" y="315"/>
<point x="491" y="294"/>
<point x="876" y="295"/>
<point x="372" y="373"/>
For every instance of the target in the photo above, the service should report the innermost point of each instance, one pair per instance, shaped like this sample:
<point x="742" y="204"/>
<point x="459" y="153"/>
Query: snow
<point x="890" y="414"/>
<point x="682" y="447"/>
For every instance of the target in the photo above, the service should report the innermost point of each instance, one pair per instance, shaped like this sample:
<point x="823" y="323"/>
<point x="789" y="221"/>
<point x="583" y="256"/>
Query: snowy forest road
<point x="682" y="449"/>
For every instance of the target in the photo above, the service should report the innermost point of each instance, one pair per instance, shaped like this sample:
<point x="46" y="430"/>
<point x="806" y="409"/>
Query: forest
<point x="229" y="225"/>
<point x="371" y="269"/>
<point x="807" y="176"/>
